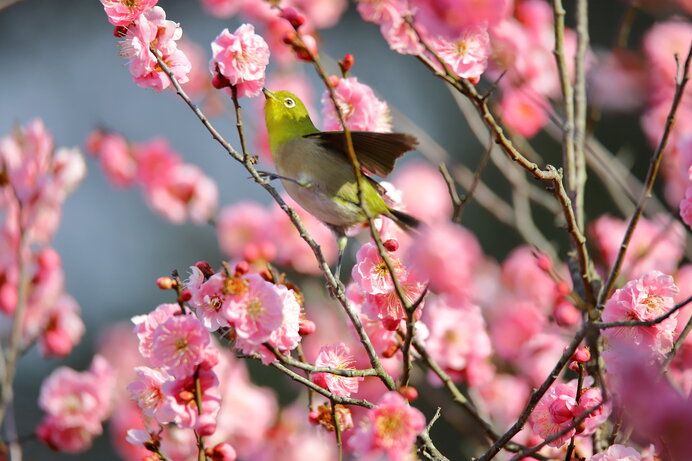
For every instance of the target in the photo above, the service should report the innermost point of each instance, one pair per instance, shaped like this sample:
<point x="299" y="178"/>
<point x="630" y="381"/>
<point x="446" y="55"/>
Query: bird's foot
<point x="269" y="176"/>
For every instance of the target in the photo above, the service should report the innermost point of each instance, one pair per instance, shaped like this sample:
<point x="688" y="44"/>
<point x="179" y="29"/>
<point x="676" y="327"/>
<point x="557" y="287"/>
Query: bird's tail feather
<point x="404" y="220"/>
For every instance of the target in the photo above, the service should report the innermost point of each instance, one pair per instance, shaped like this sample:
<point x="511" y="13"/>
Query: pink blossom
<point x="424" y="192"/>
<point x="185" y="192"/>
<point x="644" y="298"/>
<point x="389" y="429"/>
<point x="64" y="328"/>
<point x="686" y="207"/>
<point x="147" y="391"/>
<point x="258" y="312"/>
<point x="450" y="17"/>
<point x="155" y="158"/>
<point x="617" y="453"/>
<point x="555" y="412"/>
<point x="504" y="397"/>
<point x="467" y="54"/>
<point x="458" y="339"/>
<point x="179" y="344"/>
<point x="208" y="299"/>
<point x="321" y="13"/>
<point x="145" y="325"/>
<point x="361" y="108"/>
<point x="287" y="336"/>
<point x="244" y="231"/>
<point x="522" y="276"/>
<point x="537" y="357"/>
<point x="180" y="401"/>
<point x="222" y="8"/>
<point x="152" y="29"/>
<point x="76" y="403"/>
<point x="389" y="14"/>
<point x="124" y="12"/>
<point x="242" y="58"/>
<point x="656" y="244"/>
<point x="115" y="156"/>
<point x="370" y="271"/>
<point x="513" y="324"/>
<point x="523" y="113"/>
<point x="661" y="43"/>
<point x="617" y="81"/>
<point x="430" y="255"/>
<point x="336" y="356"/>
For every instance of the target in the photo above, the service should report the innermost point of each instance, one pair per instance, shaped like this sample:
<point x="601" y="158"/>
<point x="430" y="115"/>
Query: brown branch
<point x="290" y="361"/>
<point x="654" y="165"/>
<point x="580" y="107"/>
<point x="408" y="338"/>
<point x="335" y="285"/>
<point x="476" y="177"/>
<point x="643" y="323"/>
<point x="678" y="342"/>
<point x="457" y="203"/>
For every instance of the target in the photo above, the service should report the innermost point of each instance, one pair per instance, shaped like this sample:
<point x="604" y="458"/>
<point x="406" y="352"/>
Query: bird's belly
<point x="325" y="208"/>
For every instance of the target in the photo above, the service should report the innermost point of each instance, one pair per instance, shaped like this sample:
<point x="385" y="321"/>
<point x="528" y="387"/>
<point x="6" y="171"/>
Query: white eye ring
<point x="290" y="103"/>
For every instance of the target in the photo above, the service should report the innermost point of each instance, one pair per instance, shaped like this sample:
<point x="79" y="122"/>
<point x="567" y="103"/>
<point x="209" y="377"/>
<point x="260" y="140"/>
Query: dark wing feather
<point x="376" y="152"/>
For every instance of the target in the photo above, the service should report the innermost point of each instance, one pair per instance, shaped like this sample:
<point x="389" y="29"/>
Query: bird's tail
<point x="404" y="220"/>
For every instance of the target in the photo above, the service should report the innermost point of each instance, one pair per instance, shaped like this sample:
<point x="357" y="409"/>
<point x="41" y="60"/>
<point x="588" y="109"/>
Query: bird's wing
<point x="376" y="152"/>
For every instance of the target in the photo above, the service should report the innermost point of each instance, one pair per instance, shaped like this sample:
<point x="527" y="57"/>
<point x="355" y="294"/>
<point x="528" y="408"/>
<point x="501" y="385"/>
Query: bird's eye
<point x="290" y="103"/>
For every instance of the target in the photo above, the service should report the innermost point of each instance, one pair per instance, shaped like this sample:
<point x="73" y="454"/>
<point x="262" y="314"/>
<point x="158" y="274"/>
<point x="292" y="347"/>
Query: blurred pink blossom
<point x="424" y="192"/>
<point x="526" y="114"/>
<point x="64" y="328"/>
<point x="222" y="8"/>
<point x="124" y="12"/>
<point x="617" y="453"/>
<point x="244" y="230"/>
<point x="686" y="207"/>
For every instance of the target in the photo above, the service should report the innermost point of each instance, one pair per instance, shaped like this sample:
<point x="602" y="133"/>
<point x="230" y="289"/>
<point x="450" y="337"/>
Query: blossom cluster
<point x="176" y="190"/>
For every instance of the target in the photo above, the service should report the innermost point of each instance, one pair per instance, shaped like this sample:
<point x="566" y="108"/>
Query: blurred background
<point x="59" y="61"/>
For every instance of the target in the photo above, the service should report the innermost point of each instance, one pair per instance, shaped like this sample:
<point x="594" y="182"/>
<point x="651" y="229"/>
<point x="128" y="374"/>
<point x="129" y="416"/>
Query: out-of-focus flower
<point x="336" y="356"/>
<point x="686" y="207"/>
<point x="617" y="453"/>
<point x="526" y="114"/>
<point x="114" y="154"/>
<point x="124" y="12"/>
<point x="424" y="192"/>
<point x="64" y="328"/>
<point x="617" y="81"/>
<point x="467" y="54"/>
<point x="241" y="57"/>
<point x="390" y="429"/>
<point x="361" y="109"/>
<point x="514" y="323"/>
<point x="222" y="8"/>
<point x="244" y="230"/>
<point x="76" y="404"/>
<point x="645" y="298"/>
<point x="151" y="28"/>
<point x="655" y="245"/>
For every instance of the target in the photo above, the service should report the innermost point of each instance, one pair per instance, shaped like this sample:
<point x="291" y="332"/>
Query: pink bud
<point x="166" y="283"/>
<point x="314" y="417"/>
<point x="391" y="324"/>
<point x="409" y="393"/>
<point x="185" y="296"/>
<point x="333" y="81"/>
<point x="219" y="81"/>
<point x="346" y="63"/>
<point x="293" y="16"/>
<point x="544" y="262"/>
<point x="222" y="452"/>
<point x="307" y="327"/>
<point x="391" y="245"/>
<point x="565" y="314"/>
<point x="563" y="289"/>
<point x="582" y="354"/>
<point x="319" y="379"/>
<point x="574" y="366"/>
<point x="242" y="268"/>
<point x="474" y="80"/>
<point x="205" y="267"/>
<point x="48" y="259"/>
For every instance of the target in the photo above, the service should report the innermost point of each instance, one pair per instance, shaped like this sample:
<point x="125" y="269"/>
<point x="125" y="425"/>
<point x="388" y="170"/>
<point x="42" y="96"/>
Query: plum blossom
<point x="180" y="401"/>
<point x="152" y="28"/>
<point x="513" y="324"/>
<point x="458" y="339"/>
<point x="617" y="453"/>
<point x="124" y="12"/>
<point x="241" y="57"/>
<point x="336" y="356"/>
<point x="257" y="312"/>
<point x="244" y="231"/>
<point x="361" y="108"/>
<point x="424" y="192"/>
<point x="64" y="328"/>
<point x="76" y="404"/>
<point x="390" y="429"/>
<point x="145" y="326"/>
<point x="523" y="113"/>
<point x="147" y="392"/>
<point x="686" y="207"/>
<point x="467" y="54"/>
<point x="644" y="298"/>
<point x="429" y="254"/>
<point x="115" y="156"/>
<point x="208" y="298"/>
<point x="180" y="344"/>
<point x="222" y="8"/>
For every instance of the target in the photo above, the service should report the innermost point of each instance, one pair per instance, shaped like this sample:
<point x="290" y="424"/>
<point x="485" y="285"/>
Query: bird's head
<point x="286" y="117"/>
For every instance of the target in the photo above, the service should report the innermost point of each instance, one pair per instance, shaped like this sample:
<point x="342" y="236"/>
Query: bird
<point x="316" y="172"/>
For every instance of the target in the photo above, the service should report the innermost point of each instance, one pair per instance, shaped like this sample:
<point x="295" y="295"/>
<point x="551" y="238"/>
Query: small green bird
<point x="315" y="170"/>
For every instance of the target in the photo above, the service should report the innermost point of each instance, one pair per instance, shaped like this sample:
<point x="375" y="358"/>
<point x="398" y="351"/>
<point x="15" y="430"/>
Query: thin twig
<point x="678" y="342"/>
<point x="290" y="361"/>
<point x="476" y="178"/>
<point x="580" y="107"/>
<point x="681" y="82"/>
<point x="457" y="202"/>
<point x="337" y="431"/>
<point x="580" y="383"/>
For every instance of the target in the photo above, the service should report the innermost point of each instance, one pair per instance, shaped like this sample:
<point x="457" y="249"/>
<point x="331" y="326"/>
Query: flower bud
<point x="390" y="351"/>
<point x="307" y="327"/>
<point x="391" y="324"/>
<point x="205" y="267"/>
<point x="242" y="268"/>
<point x="582" y="354"/>
<point x="544" y="262"/>
<point x="346" y="63"/>
<point x="565" y="314"/>
<point x="391" y="245"/>
<point x="185" y="296"/>
<point x="219" y="81"/>
<point x="166" y="283"/>
<point x="222" y="452"/>
<point x="409" y="393"/>
<point x="293" y="16"/>
<point x="562" y="289"/>
<point x="314" y="417"/>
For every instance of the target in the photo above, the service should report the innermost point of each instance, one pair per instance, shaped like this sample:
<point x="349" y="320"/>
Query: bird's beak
<point x="268" y="94"/>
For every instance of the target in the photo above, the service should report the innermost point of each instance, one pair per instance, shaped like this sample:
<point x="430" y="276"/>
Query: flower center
<point x="462" y="47"/>
<point x="653" y="303"/>
<point x="216" y="302"/>
<point x="235" y="286"/>
<point x="180" y="344"/>
<point x="131" y="4"/>
<point x="255" y="308"/>
<point x="389" y="427"/>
